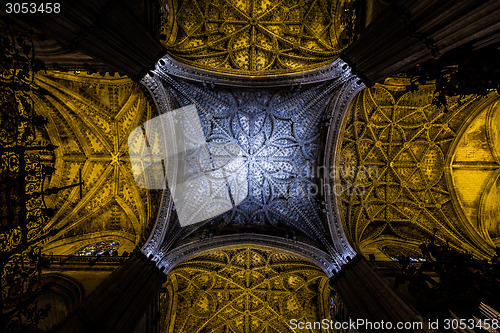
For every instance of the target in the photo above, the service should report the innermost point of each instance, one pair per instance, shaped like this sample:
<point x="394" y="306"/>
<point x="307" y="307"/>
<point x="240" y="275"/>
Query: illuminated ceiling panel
<point x="391" y="163"/>
<point x="257" y="37"/>
<point x="277" y="131"/>
<point x="242" y="291"/>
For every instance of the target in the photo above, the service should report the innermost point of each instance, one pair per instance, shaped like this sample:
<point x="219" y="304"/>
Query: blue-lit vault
<point x="279" y="131"/>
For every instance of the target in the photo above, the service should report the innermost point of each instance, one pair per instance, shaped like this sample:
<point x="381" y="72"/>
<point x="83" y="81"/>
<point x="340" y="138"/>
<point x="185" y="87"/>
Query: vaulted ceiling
<point x="410" y="169"/>
<point x="396" y="148"/>
<point x="257" y="37"/>
<point x="277" y="132"/>
<point x="243" y="290"/>
<point x="90" y="118"/>
<point x="407" y="169"/>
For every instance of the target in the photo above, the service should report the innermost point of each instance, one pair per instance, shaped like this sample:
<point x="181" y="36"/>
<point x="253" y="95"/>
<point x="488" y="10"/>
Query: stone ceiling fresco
<point x="243" y="290"/>
<point x="394" y="166"/>
<point x="257" y="37"/>
<point x="90" y="118"/>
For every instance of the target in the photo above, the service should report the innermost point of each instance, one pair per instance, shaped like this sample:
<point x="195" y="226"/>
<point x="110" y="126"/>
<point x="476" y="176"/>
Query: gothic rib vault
<point x="384" y="234"/>
<point x="280" y="149"/>
<point x="243" y="290"/>
<point x="410" y="169"/>
<point x="278" y="131"/>
<point x="211" y="55"/>
<point x="265" y="76"/>
<point x="257" y="37"/>
<point x="90" y="117"/>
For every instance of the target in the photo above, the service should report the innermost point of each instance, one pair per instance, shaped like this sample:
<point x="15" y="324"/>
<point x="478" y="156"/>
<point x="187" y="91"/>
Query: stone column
<point x="150" y="322"/>
<point x="121" y="301"/>
<point x="410" y="32"/>
<point x="106" y="30"/>
<point x="366" y="295"/>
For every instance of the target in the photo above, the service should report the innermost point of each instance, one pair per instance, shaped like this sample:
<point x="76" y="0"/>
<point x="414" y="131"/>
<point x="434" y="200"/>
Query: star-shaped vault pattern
<point x="277" y="132"/>
<point x="257" y="37"/>
<point x="392" y="167"/>
<point x="243" y="290"/>
<point x="90" y="117"/>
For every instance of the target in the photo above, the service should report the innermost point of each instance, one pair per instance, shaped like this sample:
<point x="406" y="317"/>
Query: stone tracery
<point x="422" y="170"/>
<point x="277" y="132"/>
<point x="257" y="37"/>
<point x="242" y="290"/>
<point x="392" y="164"/>
<point x="89" y="120"/>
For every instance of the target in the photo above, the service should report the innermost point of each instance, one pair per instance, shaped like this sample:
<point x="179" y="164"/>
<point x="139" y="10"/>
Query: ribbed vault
<point x="257" y="37"/>
<point x="243" y="290"/>
<point x="402" y="162"/>
<point x="278" y="132"/>
<point x="90" y="118"/>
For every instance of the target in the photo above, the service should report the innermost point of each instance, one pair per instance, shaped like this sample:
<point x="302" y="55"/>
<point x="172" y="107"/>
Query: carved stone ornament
<point x="278" y="130"/>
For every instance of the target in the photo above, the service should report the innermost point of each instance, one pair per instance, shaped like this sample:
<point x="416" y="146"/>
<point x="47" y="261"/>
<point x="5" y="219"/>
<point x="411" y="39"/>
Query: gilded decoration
<point x="393" y="167"/>
<point x="243" y="290"/>
<point x="475" y="172"/>
<point x="90" y="117"/>
<point x="257" y="37"/>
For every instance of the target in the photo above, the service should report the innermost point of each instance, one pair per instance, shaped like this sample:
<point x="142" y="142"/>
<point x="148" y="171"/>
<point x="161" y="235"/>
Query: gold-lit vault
<point x="393" y="165"/>
<point x="475" y="172"/>
<point x="90" y="118"/>
<point x="243" y="290"/>
<point x="257" y="37"/>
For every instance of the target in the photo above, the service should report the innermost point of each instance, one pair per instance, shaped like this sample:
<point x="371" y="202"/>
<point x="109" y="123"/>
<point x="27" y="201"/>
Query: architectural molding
<point x="326" y="262"/>
<point x="163" y="104"/>
<point x="255" y="38"/>
<point x="337" y="70"/>
<point x="243" y="289"/>
<point x="390" y="170"/>
<point x="343" y="85"/>
<point x="89" y="117"/>
<point x="337" y="123"/>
